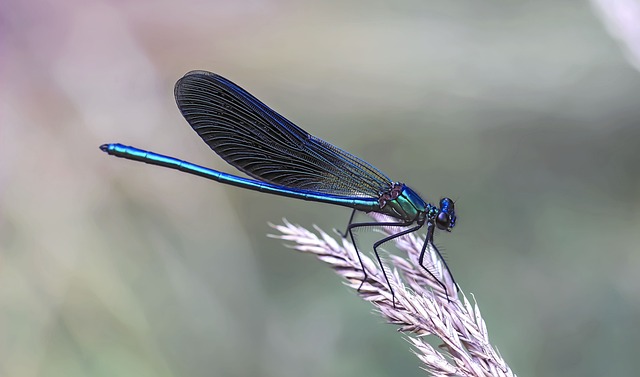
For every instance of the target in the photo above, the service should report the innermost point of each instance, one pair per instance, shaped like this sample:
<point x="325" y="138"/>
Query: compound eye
<point x="447" y="203"/>
<point x="442" y="221"/>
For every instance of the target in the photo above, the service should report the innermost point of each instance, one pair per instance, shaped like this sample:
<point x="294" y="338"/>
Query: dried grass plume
<point x="421" y="307"/>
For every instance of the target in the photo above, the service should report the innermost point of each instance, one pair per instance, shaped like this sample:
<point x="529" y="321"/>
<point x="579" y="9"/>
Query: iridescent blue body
<point x="131" y="153"/>
<point x="285" y="160"/>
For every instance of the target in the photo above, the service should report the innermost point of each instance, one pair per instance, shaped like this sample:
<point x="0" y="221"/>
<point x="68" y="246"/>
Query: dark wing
<point x="263" y="144"/>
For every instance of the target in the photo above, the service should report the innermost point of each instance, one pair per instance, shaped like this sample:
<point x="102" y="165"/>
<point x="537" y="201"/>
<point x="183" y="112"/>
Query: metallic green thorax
<point x="403" y="203"/>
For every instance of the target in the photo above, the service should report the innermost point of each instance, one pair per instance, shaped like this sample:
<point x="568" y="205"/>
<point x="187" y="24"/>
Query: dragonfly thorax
<point x="403" y="203"/>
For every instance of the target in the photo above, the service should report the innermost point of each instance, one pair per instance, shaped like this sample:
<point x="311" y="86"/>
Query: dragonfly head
<point x="446" y="218"/>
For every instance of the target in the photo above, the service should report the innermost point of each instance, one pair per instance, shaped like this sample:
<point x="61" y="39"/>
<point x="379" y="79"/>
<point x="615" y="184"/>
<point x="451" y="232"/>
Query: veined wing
<point x="263" y="144"/>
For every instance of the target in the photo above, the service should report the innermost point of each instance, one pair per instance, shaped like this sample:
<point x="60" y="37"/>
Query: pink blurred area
<point x="76" y="74"/>
<point x="622" y="20"/>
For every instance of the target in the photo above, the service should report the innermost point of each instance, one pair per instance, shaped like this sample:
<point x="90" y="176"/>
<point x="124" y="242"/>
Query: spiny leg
<point x="353" y="214"/>
<point x="348" y="231"/>
<point x="350" y="228"/>
<point x="353" y="242"/>
<point x="429" y="241"/>
<point x="387" y="239"/>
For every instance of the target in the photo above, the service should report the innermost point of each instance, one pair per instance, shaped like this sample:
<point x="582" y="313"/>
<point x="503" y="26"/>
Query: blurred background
<point x="526" y="113"/>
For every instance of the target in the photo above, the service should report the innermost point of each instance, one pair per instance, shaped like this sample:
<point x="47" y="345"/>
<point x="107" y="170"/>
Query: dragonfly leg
<point x="349" y="231"/>
<point x="429" y="241"/>
<point x="387" y="239"/>
<point x="353" y="214"/>
<point x="353" y="242"/>
<point x="360" y="225"/>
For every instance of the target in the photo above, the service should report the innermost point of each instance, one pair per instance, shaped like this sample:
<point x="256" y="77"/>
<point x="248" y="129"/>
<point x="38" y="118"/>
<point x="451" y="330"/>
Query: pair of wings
<point x="263" y="144"/>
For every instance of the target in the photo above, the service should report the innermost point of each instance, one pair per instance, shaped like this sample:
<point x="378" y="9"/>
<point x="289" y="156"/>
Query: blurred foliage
<point x="526" y="113"/>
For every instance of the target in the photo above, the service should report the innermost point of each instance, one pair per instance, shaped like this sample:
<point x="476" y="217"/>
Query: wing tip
<point x="191" y="77"/>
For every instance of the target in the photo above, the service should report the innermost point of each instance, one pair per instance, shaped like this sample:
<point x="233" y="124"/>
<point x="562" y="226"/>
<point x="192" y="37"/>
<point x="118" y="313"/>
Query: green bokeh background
<point x="526" y="113"/>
